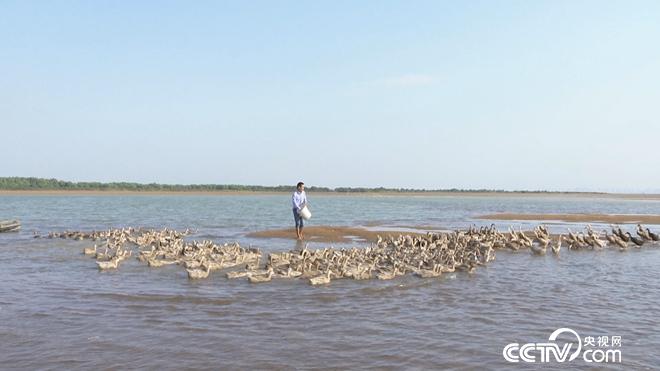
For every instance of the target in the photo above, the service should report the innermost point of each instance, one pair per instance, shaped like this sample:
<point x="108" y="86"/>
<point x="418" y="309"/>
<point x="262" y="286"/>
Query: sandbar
<point x="579" y="218"/>
<point x="328" y="234"/>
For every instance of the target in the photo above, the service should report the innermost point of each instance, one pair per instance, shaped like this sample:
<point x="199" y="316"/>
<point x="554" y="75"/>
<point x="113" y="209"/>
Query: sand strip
<point x="328" y="234"/>
<point x="579" y="218"/>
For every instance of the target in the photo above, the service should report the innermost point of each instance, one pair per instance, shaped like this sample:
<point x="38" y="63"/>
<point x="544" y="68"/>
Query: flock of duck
<point x="428" y="255"/>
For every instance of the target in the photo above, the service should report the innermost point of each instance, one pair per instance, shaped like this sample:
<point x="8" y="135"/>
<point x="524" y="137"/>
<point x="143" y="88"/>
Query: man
<point x="299" y="200"/>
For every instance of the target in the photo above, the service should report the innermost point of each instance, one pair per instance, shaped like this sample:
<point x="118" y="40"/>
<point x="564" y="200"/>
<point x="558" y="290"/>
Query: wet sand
<point x="328" y="234"/>
<point x="579" y="218"/>
<point x="340" y="234"/>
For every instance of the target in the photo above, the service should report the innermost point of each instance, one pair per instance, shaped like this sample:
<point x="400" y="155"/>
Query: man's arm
<point x="296" y="202"/>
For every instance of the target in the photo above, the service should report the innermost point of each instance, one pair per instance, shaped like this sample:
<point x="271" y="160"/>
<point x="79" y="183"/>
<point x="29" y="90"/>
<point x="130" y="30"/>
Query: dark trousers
<point x="297" y="218"/>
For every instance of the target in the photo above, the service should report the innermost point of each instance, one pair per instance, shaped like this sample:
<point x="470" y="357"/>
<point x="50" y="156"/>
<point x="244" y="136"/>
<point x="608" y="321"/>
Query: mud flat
<point x="336" y="234"/>
<point x="579" y="218"/>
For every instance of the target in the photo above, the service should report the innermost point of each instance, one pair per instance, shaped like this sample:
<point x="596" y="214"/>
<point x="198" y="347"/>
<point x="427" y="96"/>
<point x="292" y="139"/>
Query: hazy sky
<point x="467" y="94"/>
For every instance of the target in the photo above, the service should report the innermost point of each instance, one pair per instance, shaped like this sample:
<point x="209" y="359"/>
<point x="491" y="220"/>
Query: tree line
<point x="28" y="183"/>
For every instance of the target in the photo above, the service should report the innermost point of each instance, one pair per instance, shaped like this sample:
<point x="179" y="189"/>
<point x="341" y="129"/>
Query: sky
<point x="515" y="95"/>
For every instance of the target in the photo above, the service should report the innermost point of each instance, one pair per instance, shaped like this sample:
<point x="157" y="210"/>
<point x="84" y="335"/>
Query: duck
<point x="557" y="247"/>
<point x="637" y="241"/>
<point x="276" y="259"/>
<point x="259" y="278"/>
<point x="526" y="240"/>
<point x="215" y="265"/>
<point x="238" y="274"/>
<point x="308" y="269"/>
<point x="125" y="255"/>
<point x="448" y="268"/>
<point x="539" y="250"/>
<point x="322" y="279"/>
<point x="544" y="240"/>
<point x="192" y="264"/>
<point x="623" y="245"/>
<point x="103" y="255"/>
<point x="199" y="273"/>
<point x="363" y="274"/>
<point x="89" y="250"/>
<point x="513" y="245"/>
<point x="351" y="271"/>
<point x="489" y="255"/>
<point x="146" y="254"/>
<point x="254" y="264"/>
<point x="594" y="241"/>
<point x="540" y="233"/>
<point x="643" y="233"/>
<point x="109" y="264"/>
<point x="152" y="262"/>
<point x="290" y="273"/>
<point x="611" y="238"/>
<point x="429" y="273"/>
<point x="468" y="266"/>
<point x="388" y="275"/>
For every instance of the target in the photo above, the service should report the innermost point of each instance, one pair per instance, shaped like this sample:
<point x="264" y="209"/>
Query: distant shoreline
<point x="43" y="186"/>
<point x="494" y="194"/>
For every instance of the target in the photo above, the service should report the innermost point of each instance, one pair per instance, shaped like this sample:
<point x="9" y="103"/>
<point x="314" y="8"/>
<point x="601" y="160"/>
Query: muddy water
<point x="58" y="311"/>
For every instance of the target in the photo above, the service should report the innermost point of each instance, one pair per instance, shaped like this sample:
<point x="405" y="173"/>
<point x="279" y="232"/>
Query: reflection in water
<point x="299" y="245"/>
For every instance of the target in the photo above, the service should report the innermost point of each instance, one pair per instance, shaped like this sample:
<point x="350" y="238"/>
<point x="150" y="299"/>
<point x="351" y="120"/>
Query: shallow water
<point x="58" y="311"/>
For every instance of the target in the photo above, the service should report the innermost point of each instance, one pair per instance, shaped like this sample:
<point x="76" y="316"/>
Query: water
<point x="58" y="311"/>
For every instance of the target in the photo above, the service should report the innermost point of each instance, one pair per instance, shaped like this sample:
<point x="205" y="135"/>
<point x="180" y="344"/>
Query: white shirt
<point x="299" y="200"/>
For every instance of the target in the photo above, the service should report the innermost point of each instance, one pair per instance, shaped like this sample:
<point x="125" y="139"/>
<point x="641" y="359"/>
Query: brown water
<point x="57" y="311"/>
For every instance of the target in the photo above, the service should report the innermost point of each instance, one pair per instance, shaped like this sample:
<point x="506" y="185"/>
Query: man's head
<point x="300" y="186"/>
